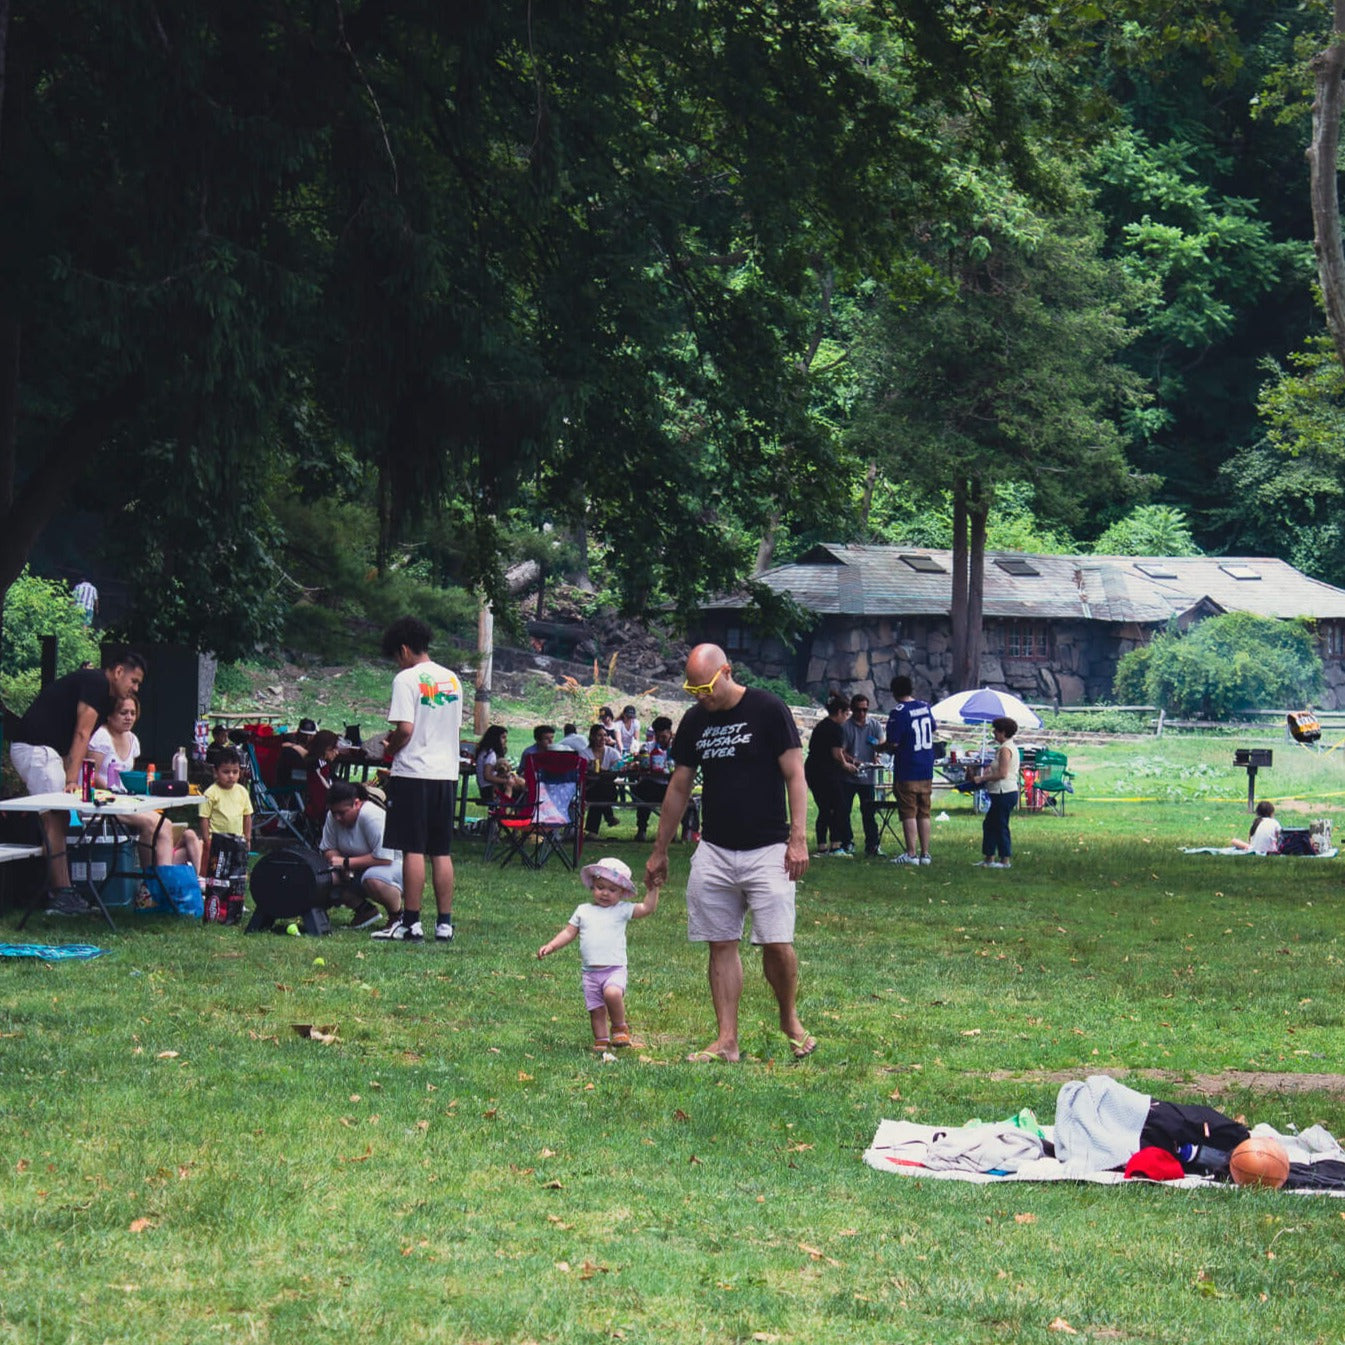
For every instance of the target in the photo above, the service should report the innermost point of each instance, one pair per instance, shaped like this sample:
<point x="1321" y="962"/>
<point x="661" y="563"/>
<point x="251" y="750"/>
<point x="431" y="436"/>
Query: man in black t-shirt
<point x="754" y="840"/>
<point x="50" y="743"/>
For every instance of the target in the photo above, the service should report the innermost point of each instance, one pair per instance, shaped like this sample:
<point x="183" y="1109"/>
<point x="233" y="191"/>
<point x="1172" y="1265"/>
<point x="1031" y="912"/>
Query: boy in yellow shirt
<point x="226" y="831"/>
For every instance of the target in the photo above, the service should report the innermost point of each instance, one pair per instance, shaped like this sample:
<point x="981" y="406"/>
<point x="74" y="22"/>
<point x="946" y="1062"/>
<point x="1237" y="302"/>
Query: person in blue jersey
<point x="910" y="740"/>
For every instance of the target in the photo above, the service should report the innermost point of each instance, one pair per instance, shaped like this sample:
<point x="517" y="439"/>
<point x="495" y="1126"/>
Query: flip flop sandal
<point x="710" y="1058"/>
<point x="802" y="1047"/>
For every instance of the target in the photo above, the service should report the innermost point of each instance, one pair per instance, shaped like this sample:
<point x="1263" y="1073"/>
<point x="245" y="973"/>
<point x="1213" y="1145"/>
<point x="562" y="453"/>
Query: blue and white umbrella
<point x="983" y="705"/>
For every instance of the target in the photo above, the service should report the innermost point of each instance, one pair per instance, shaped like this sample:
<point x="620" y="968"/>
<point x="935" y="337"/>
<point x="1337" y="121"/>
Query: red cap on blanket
<point x="1156" y="1164"/>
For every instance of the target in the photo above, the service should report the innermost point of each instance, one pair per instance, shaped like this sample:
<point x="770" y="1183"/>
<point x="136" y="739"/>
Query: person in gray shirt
<point x="862" y="737"/>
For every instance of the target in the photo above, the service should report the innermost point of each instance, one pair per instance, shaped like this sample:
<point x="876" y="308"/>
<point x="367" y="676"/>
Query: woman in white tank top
<point x="1000" y="782"/>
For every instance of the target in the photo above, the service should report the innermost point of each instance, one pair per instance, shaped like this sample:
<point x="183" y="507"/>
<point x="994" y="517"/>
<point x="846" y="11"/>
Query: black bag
<point x="1296" y="841"/>
<point x="292" y="884"/>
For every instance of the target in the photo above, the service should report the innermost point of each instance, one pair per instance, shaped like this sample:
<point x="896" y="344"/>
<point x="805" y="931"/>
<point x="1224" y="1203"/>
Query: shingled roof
<point x="835" y="579"/>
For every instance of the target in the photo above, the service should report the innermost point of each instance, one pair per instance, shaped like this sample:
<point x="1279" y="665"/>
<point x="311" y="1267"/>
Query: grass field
<point x="177" y="1163"/>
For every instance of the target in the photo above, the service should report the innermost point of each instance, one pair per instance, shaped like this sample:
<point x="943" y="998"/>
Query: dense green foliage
<point x="1148" y="530"/>
<point x="689" y="283"/>
<point x="35" y="608"/>
<point x="1222" y="665"/>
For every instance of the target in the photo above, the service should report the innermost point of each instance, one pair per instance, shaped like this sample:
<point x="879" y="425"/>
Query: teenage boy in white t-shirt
<point x="426" y="719"/>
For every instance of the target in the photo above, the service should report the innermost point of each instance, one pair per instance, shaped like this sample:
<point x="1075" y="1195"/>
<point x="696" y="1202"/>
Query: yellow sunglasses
<point x="707" y="688"/>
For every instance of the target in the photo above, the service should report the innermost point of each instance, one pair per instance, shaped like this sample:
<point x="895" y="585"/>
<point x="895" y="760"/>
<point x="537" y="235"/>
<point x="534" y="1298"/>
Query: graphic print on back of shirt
<point x="434" y="693"/>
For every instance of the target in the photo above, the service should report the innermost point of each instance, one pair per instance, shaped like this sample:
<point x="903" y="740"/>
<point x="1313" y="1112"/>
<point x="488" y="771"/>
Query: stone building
<point x="1054" y="627"/>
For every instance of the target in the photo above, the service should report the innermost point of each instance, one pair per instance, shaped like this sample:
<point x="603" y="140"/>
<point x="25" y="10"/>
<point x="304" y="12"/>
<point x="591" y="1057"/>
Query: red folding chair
<point x="549" y="818"/>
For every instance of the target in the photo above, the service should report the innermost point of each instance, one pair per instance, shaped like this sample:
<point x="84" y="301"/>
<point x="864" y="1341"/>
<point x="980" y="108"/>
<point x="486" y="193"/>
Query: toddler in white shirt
<point x="600" y="926"/>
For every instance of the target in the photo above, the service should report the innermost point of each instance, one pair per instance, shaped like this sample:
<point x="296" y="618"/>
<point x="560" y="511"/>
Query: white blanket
<point x="911" y="1150"/>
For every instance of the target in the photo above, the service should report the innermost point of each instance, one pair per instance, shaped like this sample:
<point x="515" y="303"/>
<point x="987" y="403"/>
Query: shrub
<point x="787" y="692"/>
<point x="1226" y="664"/>
<point x="33" y="608"/>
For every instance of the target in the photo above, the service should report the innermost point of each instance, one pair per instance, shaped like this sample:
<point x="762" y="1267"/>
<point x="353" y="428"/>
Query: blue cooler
<point x="93" y="863"/>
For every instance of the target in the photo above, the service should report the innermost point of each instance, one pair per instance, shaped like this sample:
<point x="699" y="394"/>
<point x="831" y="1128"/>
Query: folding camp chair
<point x="1054" y="779"/>
<point x="269" y="811"/>
<point x="549" y="818"/>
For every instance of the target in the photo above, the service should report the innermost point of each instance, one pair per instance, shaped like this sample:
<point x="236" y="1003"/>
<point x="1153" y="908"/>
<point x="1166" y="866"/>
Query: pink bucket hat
<point x="614" y="870"/>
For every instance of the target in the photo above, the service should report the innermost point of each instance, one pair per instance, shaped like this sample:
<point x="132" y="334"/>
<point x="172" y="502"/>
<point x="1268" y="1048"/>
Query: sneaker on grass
<point x="66" y="901"/>
<point x="925" y="859"/>
<point x="400" y="932"/>
<point x="364" y="915"/>
<point x="443" y="931"/>
<point x="906" y="859"/>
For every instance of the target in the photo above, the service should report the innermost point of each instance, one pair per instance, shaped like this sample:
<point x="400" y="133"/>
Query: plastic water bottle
<point x="180" y="765"/>
<point x="113" y="775"/>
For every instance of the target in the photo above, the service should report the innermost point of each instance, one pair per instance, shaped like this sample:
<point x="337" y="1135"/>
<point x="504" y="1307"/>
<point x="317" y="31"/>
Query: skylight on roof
<point x="1156" y="571"/>
<point x="1017" y="565"/>
<point x="924" y="564"/>
<point x="1240" y="572"/>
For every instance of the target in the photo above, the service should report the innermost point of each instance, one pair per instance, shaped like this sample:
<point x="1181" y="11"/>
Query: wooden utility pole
<point x="485" y="659"/>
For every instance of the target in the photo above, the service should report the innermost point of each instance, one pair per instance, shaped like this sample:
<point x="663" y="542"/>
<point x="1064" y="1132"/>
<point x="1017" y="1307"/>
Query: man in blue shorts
<point x="426" y="719"/>
<point x="752" y="850"/>
<point x="910" y="739"/>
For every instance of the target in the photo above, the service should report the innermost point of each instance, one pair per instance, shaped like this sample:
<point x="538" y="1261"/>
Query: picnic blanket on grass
<point x="1233" y="850"/>
<point x="946" y="1153"/>
<point x="51" y="952"/>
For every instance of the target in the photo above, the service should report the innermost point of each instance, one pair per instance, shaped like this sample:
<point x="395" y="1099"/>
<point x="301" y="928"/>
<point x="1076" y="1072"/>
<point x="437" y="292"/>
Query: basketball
<point x="1259" y="1161"/>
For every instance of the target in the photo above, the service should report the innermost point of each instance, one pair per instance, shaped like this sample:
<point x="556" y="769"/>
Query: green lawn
<point x="176" y="1163"/>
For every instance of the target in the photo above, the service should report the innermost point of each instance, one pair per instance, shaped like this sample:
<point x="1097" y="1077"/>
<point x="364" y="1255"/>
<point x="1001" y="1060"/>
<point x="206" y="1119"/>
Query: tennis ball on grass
<point x="292" y="928"/>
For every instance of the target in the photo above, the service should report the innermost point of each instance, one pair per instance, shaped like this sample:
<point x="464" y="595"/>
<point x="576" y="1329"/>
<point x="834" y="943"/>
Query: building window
<point x="734" y="642"/>
<point x="1332" y="635"/>
<point x="1025" y="639"/>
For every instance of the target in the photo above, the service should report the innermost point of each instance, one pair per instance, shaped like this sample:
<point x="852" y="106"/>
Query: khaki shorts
<point x="42" y="769"/>
<point x="913" y="798"/>
<point x="725" y="885"/>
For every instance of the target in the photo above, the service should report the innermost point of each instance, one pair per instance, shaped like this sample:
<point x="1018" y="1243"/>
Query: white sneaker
<point x="996" y="864"/>
<point x="443" y="931"/>
<point x="905" y="859"/>
<point x="925" y="859"/>
<point x="986" y="864"/>
<point x="401" y="933"/>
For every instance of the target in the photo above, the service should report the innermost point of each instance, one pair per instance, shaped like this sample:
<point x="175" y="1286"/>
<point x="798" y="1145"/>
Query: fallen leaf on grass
<point x="553" y="1185"/>
<point x="547" y="1153"/>
<point x="797" y="1148"/>
<point x="140" y="1225"/>
<point x="680" y="1115"/>
<point x="524" y="1078"/>
<point x="166" y="1055"/>
<point x="22" y="1165"/>
<point x="972" y="1032"/>
<point x="1060" y="1324"/>
<point x="895" y="1095"/>
<point x="563" y="1267"/>
<point x="764" y="1335"/>
<point x="561" y="1225"/>
<point x="818" y="1254"/>
<point x="591" y="1268"/>
<point x="1025" y="1218"/>
<point x="325" y="1033"/>
<point x="359" y="1158"/>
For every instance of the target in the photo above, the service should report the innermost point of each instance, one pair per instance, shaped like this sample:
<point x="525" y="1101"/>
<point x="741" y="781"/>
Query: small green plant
<point x="777" y="686"/>
<point x="34" y="608"/>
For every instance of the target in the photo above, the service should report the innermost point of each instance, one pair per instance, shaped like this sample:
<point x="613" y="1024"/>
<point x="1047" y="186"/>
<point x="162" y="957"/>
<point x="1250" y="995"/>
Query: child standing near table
<point x="226" y="832"/>
<point x="600" y="926"/>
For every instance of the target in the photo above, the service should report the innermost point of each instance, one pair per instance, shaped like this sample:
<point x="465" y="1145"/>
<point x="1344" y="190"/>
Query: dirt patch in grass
<point x="1225" y="1081"/>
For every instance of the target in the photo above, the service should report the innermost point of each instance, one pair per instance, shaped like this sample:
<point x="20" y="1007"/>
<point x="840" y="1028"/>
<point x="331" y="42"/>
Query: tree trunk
<point x="541" y="591"/>
<point x="958" y="608"/>
<point x="766" y="548"/>
<point x="485" y="667"/>
<point x="67" y="458"/>
<point x="866" y="499"/>
<point x="1327" y="68"/>
<point x="978" y="509"/>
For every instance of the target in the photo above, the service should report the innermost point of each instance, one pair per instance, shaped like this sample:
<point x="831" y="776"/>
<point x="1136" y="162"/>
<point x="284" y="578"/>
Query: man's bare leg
<point x="780" y="965"/>
<point x="441" y="867"/>
<point x="726" y="990"/>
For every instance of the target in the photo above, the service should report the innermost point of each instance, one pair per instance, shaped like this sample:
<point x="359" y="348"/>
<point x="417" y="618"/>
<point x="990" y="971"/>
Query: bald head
<point x="703" y="662"/>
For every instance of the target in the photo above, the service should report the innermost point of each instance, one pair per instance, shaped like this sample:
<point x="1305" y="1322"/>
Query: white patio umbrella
<point x="983" y="705"/>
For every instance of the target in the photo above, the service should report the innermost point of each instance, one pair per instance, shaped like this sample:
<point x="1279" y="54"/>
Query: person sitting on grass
<point x="364" y="870"/>
<point x="1264" y="837"/>
<point x="226" y="832"/>
<point x="600" y="926"/>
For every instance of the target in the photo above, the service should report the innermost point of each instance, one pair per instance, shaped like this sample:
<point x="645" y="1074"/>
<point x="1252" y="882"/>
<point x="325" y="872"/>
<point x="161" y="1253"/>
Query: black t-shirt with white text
<point x="738" y="752"/>
<point x="50" y="720"/>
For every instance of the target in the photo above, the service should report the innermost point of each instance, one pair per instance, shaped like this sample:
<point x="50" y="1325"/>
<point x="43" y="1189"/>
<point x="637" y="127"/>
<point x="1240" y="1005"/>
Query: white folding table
<point x="111" y="810"/>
